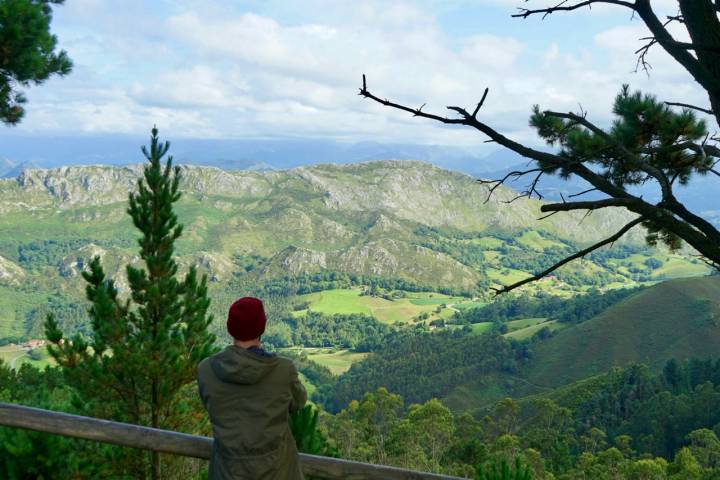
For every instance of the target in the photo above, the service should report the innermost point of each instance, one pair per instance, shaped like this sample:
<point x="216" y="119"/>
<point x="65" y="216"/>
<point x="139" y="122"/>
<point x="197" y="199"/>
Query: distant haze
<point x="19" y="152"/>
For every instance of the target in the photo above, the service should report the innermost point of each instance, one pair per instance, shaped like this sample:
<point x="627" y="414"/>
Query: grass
<point x="673" y="266"/>
<point x="678" y="267"/>
<point x="403" y="310"/>
<point x="530" y="330"/>
<point x="43" y="362"/>
<point x="506" y="276"/>
<point x="470" y="304"/>
<point x="338" y="362"/>
<point x="427" y="298"/>
<point x="309" y="387"/>
<point x="486" y="242"/>
<point x="514" y="325"/>
<point x="7" y="353"/>
<point x="532" y="239"/>
<point x="342" y="301"/>
<point x="15" y="303"/>
<point x="482" y="327"/>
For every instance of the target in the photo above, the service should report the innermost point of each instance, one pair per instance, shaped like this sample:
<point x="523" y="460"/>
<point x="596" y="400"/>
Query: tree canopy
<point x="28" y="53"/>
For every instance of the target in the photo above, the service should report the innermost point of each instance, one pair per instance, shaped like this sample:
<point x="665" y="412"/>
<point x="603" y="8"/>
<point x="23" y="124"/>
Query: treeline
<point x="291" y="285"/>
<point x="420" y="365"/>
<point x="49" y="253"/>
<point x="569" y="310"/>
<point x="313" y="329"/>
<point x="628" y="424"/>
<point x="658" y="410"/>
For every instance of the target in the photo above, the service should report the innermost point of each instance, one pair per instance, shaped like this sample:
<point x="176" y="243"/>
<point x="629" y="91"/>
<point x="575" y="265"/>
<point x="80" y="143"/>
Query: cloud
<point x="209" y="69"/>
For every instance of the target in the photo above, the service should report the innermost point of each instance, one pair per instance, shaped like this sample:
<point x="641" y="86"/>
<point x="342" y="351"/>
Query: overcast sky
<point x="247" y="69"/>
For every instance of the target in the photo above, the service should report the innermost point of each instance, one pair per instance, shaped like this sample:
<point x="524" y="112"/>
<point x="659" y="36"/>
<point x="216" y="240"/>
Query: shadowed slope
<point x="674" y="319"/>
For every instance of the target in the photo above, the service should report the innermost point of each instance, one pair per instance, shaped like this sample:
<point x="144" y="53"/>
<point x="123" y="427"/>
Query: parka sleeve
<point x="299" y="395"/>
<point x="201" y="390"/>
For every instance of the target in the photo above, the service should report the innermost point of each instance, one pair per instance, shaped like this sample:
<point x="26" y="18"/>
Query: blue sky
<point x="265" y="69"/>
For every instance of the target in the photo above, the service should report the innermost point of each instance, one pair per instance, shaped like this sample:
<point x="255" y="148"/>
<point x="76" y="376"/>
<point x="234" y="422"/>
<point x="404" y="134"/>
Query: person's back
<point x="249" y="395"/>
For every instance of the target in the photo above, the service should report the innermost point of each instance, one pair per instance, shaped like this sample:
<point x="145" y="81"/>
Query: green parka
<point x="249" y="398"/>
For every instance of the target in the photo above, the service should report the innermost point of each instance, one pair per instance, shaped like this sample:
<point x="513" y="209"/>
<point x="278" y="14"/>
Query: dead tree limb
<point x="570" y="258"/>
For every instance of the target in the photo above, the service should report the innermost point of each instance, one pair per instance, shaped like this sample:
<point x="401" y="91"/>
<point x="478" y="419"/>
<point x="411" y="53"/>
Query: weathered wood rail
<point x="135" y="436"/>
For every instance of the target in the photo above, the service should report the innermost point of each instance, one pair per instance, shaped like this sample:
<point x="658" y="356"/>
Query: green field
<point x="13" y="303"/>
<point x="8" y="353"/>
<point x="403" y="310"/>
<point x="506" y="276"/>
<point x="338" y="362"/>
<point x="309" y="387"/>
<point x="523" y="323"/>
<point x="532" y="239"/>
<point x="678" y="267"/>
<point x="482" y="327"/>
<point x="469" y="304"/>
<point x="673" y="265"/>
<point x="530" y="330"/>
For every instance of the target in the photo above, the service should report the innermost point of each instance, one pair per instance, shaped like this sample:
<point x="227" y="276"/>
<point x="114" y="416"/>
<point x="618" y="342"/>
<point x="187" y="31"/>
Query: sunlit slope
<point x="404" y="221"/>
<point x="674" y="319"/>
<point x="361" y="218"/>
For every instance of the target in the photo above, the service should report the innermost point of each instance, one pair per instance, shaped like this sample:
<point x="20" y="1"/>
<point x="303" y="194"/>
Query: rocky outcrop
<point x="10" y="273"/>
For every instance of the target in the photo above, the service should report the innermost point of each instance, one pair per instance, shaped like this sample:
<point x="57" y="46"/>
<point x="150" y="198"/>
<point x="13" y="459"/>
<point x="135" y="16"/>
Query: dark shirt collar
<point x="260" y="351"/>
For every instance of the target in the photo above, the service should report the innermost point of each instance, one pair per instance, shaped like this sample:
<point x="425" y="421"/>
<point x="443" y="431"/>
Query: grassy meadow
<point x="400" y="310"/>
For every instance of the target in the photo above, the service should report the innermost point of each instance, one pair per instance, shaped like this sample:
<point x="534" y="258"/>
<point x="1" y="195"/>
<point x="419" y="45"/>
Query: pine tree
<point x="144" y="349"/>
<point x="27" y="52"/>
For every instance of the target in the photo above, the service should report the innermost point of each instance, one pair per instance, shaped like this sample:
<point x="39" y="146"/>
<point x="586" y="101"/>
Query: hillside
<point x="407" y="221"/>
<point x="674" y="319"/>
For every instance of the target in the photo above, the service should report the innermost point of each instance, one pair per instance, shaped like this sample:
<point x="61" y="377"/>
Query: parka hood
<point x="237" y="365"/>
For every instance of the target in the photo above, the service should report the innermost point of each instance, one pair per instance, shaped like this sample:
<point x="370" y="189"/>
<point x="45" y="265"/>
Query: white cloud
<point x="204" y="69"/>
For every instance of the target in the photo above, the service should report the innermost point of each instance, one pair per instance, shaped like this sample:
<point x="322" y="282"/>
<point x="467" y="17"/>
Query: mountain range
<point x="25" y="152"/>
<point x="410" y="221"/>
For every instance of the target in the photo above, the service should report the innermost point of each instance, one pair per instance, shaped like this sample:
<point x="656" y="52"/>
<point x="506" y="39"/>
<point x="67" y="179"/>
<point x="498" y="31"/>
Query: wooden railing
<point x="135" y="436"/>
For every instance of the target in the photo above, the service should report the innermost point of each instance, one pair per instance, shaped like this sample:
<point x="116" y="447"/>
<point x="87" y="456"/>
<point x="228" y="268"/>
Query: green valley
<point x="403" y="227"/>
<point x="380" y="292"/>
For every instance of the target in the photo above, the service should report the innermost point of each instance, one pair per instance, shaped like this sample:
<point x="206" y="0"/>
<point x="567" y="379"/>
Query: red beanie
<point x="246" y="319"/>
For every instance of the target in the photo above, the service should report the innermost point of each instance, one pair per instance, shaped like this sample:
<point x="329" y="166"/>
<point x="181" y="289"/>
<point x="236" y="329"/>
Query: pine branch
<point x="692" y="107"/>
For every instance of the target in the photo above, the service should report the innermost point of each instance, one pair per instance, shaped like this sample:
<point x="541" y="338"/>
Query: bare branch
<point x="697" y="69"/>
<point x="693" y="107"/>
<point x="514" y="174"/>
<point x="480" y="103"/>
<point x="589" y="205"/>
<point x="583" y="192"/>
<point x="548" y="215"/>
<point x="561" y="7"/>
<point x="572" y="257"/>
<point x="415" y="111"/>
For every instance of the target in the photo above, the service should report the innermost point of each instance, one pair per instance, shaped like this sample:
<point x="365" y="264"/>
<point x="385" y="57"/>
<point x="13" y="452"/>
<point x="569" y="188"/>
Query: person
<point x="249" y="394"/>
